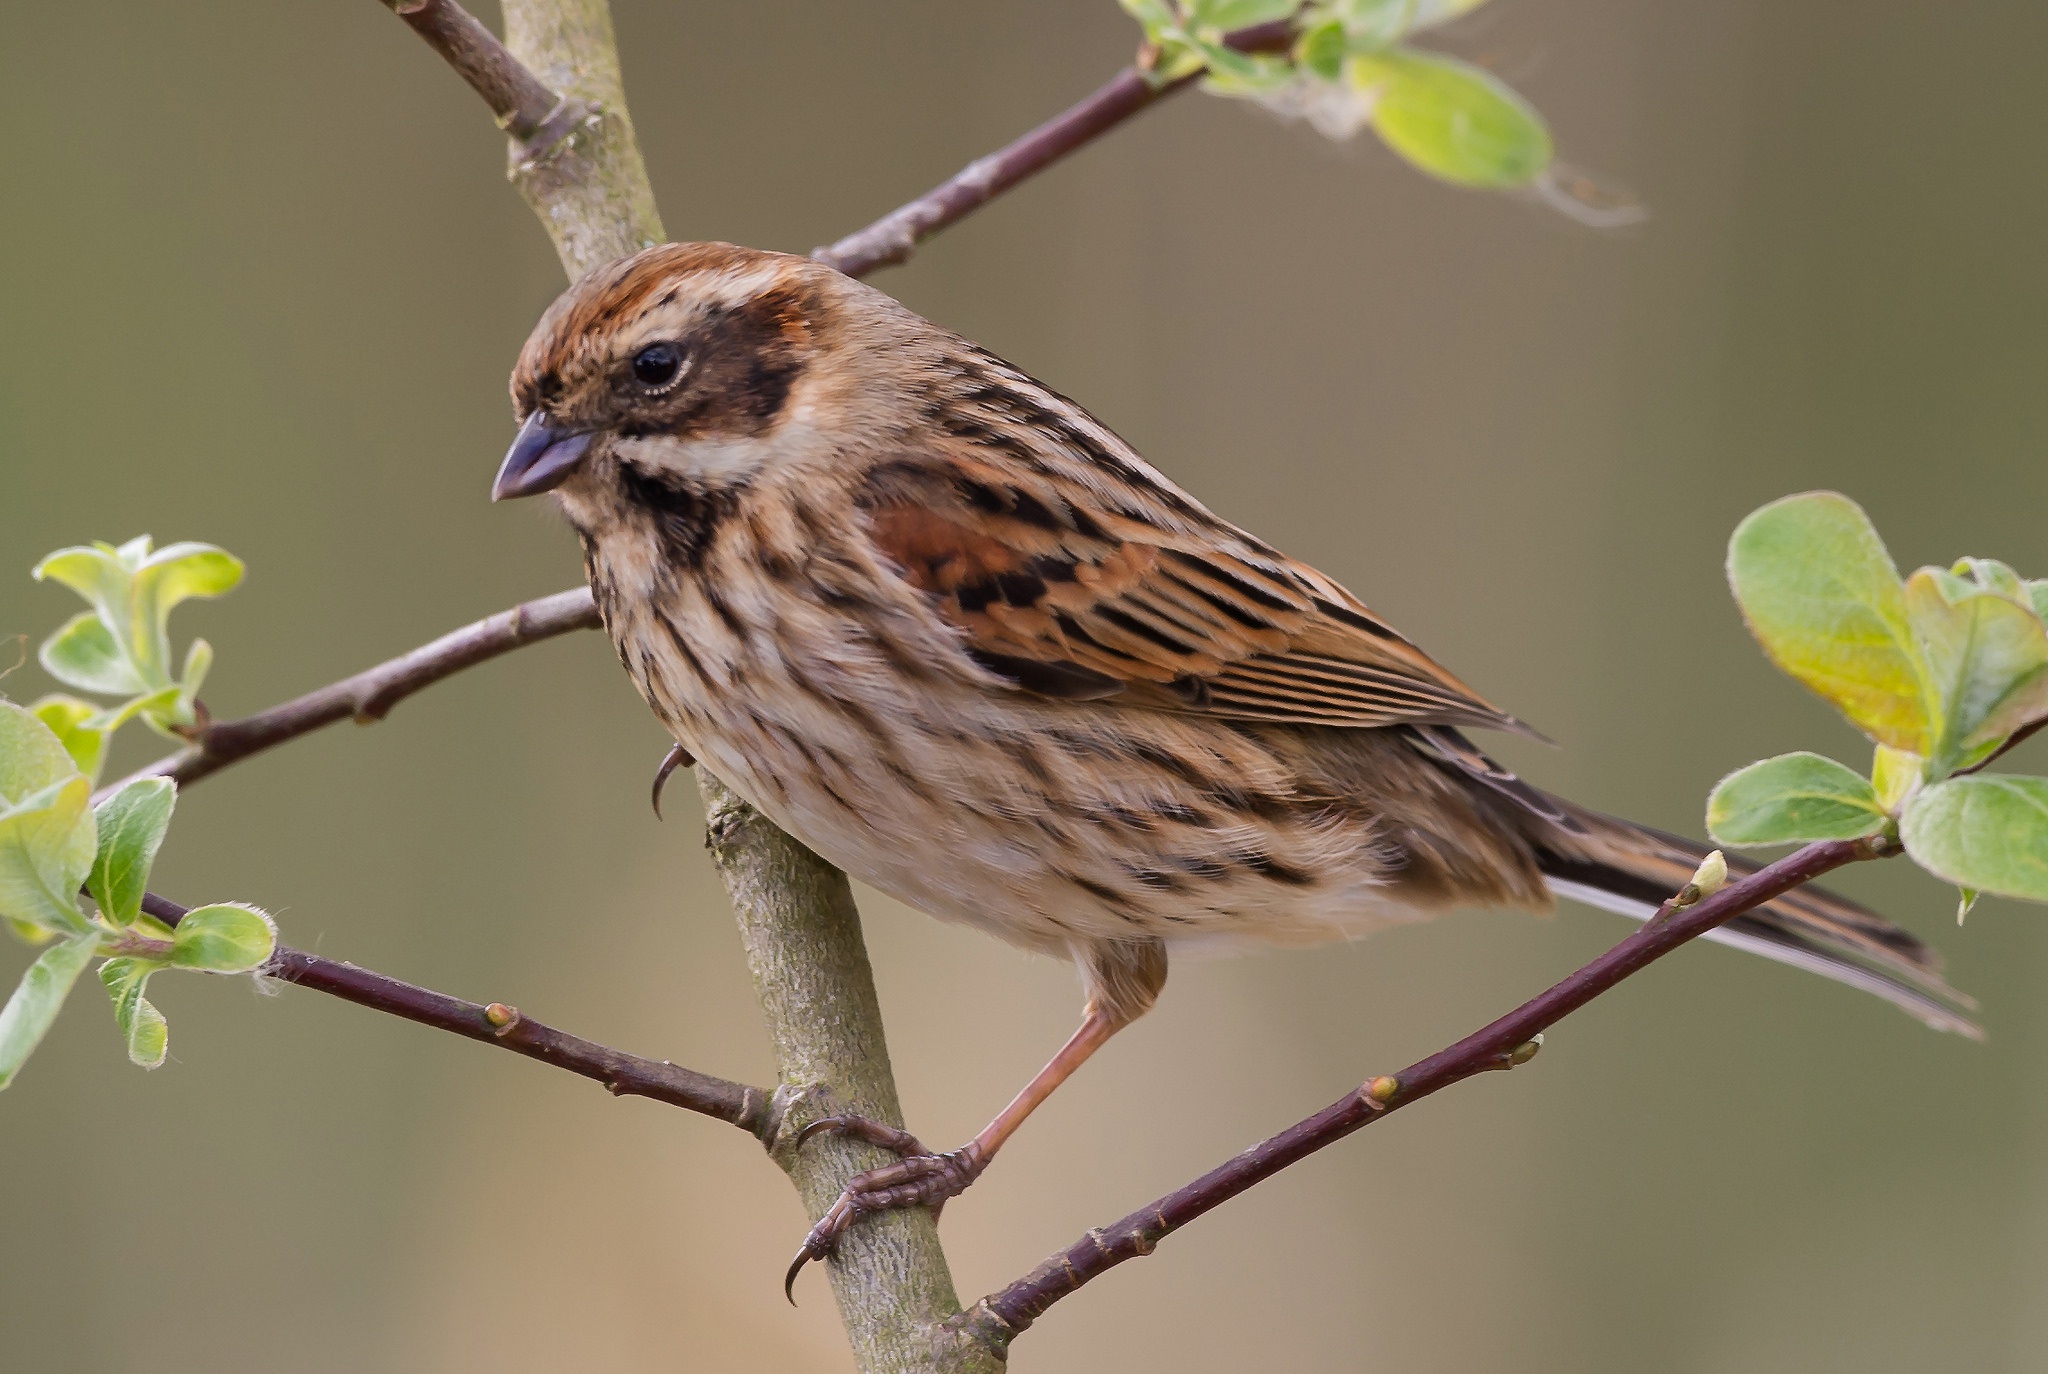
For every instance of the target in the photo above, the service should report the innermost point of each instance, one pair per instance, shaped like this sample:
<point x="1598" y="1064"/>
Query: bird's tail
<point x="1629" y="869"/>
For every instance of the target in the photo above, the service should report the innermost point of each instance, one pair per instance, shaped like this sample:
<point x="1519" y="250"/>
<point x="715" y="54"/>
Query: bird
<point x="946" y="628"/>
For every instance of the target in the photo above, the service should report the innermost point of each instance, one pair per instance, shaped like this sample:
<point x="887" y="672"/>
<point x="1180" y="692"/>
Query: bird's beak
<point x="540" y="459"/>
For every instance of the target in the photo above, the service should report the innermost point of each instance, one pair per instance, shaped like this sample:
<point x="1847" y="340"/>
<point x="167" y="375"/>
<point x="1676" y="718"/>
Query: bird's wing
<point x="1081" y="573"/>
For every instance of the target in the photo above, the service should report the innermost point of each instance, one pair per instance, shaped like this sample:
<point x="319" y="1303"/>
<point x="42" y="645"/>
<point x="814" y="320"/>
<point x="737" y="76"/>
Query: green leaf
<point x="1793" y="799"/>
<point x="1453" y="120"/>
<point x="1986" y="831"/>
<point x="1238" y="14"/>
<point x="74" y="723"/>
<point x="1241" y="73"/>
<point x="1824" y="600"/>
<point x="1156" y="17"/>
<point x="132" y="591"/>
<point x="37" y="999"/>
<point x="47" y="841"/>
<point x="2037" y="597"/>
<point x="1966" y="898"/>
<point x="1322" y="49"/>
<point x="131" y="829"/>
<point x="142" y="1025"/>
<point x="167" y="577"/>
<point x="1895" y="776"/>
<point x="229" y="937"/>
<point x="31" y="756"/>
<point x="83" y="654"/>
<point x="1986" y="659"/>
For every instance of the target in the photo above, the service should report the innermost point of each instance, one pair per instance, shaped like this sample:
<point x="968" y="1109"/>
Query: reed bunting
<point x="939" y="623"/>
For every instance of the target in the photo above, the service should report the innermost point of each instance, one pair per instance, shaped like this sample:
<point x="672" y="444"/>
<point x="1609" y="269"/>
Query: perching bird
<point x="939" y="623"/>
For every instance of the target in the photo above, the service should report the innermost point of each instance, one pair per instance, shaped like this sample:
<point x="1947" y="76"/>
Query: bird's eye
<point x="657" y="365"/>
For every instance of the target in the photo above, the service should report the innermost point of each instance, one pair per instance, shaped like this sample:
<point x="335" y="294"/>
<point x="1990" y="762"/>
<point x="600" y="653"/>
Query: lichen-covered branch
<point x="810" y="967"/>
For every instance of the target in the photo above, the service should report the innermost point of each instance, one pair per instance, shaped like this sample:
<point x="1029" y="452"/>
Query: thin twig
<point x="895" y="236"/>
<point x="369" y="695"/>
<point x="623" y="1075"/>
<point x="521" y="101"/>
<point x="1000" y="1317"/>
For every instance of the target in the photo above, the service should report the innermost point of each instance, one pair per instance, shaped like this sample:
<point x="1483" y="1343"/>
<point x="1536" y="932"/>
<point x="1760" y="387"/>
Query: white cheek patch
<point x="716" y="458"/>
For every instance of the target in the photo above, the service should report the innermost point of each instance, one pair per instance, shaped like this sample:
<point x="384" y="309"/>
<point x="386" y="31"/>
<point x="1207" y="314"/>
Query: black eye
<point x="657" y="365"/>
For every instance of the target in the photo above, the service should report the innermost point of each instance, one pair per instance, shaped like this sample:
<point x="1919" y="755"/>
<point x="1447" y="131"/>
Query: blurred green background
<point x="263" y="283"/>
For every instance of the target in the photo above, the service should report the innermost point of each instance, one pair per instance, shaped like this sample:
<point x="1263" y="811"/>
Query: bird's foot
<point x="918" y="1178"/>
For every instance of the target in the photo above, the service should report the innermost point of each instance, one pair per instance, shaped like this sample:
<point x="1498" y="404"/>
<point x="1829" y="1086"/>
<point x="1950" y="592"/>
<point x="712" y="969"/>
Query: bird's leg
<point x="922" y="1179"/>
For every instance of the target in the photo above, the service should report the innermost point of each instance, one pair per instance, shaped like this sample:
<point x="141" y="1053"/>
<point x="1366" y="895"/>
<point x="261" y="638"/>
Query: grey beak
<point x="540" y="459"/>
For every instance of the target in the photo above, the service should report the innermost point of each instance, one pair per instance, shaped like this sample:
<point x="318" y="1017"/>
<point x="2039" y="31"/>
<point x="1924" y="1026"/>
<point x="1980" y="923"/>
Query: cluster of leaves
<point x="55" y="842"/>
<point x="1942" y="670"/>
<point x="122" y="646"/>
<point x="1350" y="65"/>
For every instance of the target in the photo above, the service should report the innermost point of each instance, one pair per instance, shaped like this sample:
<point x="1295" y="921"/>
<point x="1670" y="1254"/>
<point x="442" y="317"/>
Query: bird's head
<point x="688" y="365"/>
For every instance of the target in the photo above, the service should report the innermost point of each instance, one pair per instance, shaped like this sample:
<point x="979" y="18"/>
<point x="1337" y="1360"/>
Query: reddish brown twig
<point x="1001" y="1316"/>
<point x="895" y="236"/>
<point x="521" y="101"/>
<point x="623" y="1075"/>
<point x="369" y="695"/>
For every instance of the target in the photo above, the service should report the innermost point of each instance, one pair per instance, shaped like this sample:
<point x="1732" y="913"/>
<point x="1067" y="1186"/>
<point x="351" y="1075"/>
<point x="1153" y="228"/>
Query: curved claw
<point x="677" y="757"/>
<point x="803" y="1257"/>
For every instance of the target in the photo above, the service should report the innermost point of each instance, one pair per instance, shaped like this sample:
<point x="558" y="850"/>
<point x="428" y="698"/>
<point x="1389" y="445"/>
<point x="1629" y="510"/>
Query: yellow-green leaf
<point x="1986" y="657"/>
<point x="131" y="829"/>
<point x="1824" y="599"/>
<point x="75" y="724"/>
<point x="1453" y="120"/>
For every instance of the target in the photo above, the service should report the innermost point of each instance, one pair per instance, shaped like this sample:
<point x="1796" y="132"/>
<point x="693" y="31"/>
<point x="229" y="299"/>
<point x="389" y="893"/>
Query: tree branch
<point x="521" y="101"/>
<point x="623" y="1075"/>
<point x="1000" y="1317"/>
<point x="895" y="236"/>
<point x="369" y="696"/>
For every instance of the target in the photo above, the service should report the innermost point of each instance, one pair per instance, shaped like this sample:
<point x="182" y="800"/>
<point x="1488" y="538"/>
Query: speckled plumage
<point x="946" y="628"/>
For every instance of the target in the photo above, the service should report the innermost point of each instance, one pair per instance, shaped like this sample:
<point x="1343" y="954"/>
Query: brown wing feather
<point x="1082" y="561"/>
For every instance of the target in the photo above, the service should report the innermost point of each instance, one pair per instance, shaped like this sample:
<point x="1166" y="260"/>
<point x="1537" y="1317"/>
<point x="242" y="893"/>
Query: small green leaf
<point x="229" y="937"/>
<point x="132" y="592"/>
<point x="1242" y="73"/>
<point x="1895" y="775"/>
<point x="1322" y="49"/>
<point x="1986" y="658"/>
<point x="1156" y="17"/>
<point x="73" y="722"/>
<point x="142" y="1025"/>
<point x="83" y="654"/>
<point x="31" y="756"/>
<point x="2037" y="597"/>
<point x="37" y="999"/>
<point x="47" y="841"/>
<point x="1824" y="599"/>
<point x="1238" y="14"/>
<point x="1452" y="120"/>
<point x="1966" y="898"/>
<point x="131" y="829"/>
<point x="1793" y="799"/>
<point x="176" y="573"/>
<point x="1985" y="831"/>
